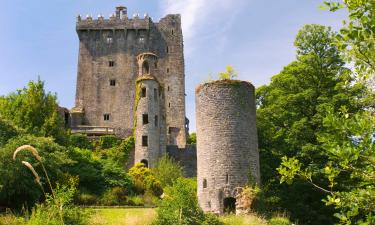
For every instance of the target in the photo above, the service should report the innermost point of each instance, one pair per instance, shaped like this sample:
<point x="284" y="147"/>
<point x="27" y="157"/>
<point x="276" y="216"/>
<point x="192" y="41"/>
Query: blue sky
<point x="256" y="37"/>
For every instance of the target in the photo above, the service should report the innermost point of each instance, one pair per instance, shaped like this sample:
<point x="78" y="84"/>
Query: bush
<point x="120" y="154"/>
<point x="80" y="141"/>
<point x="180" y="204"/>
<point x="114" y="196"/>
<point x="167" y="171"/>
<point x="7" y="131"/>
<point x="279" y="221"/>
<point x="134" y="200"/>
<point x="108" y="141"/>
<point x="144" y="180"/>
<point x="86" y="199"/>
<point x="211" y="219"/>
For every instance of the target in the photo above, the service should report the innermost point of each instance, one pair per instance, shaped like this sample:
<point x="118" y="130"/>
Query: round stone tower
<point x="147" y="114"/>
<point x="227" y="143"/>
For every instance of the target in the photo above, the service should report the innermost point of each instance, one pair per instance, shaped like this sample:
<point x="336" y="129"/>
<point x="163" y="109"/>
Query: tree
<point x="290" y="114"/>
<point x="192" y="139"/>
<point x="34" y="110"/>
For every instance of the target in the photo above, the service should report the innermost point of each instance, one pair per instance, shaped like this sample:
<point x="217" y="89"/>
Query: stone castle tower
<point x="118" y="56"/>
<point x="227" y="145"/>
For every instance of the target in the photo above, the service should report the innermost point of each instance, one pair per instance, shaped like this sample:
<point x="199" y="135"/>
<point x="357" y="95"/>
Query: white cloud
<point x="203" y="19"/>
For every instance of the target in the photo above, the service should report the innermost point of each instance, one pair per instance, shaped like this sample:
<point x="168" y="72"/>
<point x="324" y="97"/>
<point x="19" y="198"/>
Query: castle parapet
<point x="118" y="20"/>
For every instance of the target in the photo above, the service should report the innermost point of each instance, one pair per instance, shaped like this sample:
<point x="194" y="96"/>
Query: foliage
<point x="7" y="131"/>
<point x="80" y="141"/>
<point x="108" y="141"/>
<point x="83" y="198"/>
<point x="167" y="171"/>
<point x="279" y="221"/>
<point x="192" y="138"/>
<point x="144" y="180"/>
<point x="356" y="39"/>
<point x="134" y="200"/>
<point x="121" y="153"/>
<point x="180" y="204"/>
<point x="228" y="74"/>
<point x="114" y="196"/>
<point x="18" y="187"/>
<point x="290" y="114"/>
<point x="350" y="170"/>
<point x="232" y="219"/>
<point x="211" y="219"/>
<point x="59" y="209"/>
<point x="34" y="110"/>
<point x="115" y="176"/>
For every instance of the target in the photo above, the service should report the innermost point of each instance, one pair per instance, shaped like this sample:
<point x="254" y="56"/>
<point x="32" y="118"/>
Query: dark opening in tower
<point x="145" y="162"/>
<point x="145" y="68"/>
<point x="229" y="205"/>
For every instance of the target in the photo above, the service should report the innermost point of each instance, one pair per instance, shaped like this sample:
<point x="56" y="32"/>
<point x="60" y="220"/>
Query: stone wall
<point x="186" y="157"/>
<point x="227" y="147"/>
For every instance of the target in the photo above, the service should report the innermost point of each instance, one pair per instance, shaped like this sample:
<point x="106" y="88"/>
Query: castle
<point x="131" y="81"/>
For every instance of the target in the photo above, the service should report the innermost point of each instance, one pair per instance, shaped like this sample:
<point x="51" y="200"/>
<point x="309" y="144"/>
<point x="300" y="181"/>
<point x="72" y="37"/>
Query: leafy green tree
<point x="80" y="141"/>
<point x="144" y="180"/>
<point x="34" y="110"/>
<point x="290" y="114"/>
<point x="180" y="204"/>
<point x="7" y="131"/>
<point x="192" y="138"/>
<point x="121" y="153"/>
<point x="167" y="171"/>
<point x="349" y="143"/>
<point x="17" y="185"/>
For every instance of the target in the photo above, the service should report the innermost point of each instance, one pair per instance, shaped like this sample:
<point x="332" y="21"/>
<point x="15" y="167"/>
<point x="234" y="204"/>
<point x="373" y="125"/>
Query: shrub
<point x="167" y="171"/>
<point x="279" y="221"/>
<point x="211" y="219"/>
<point x="180" y="204"/>
<point x="108" y="141"/>
<point x="114" y="196"/>
<point x="143" y="180"/>
<point x="86" y="199"/>
<point x="134" y="200"/>
<point x="80" y="141"/>
<point x="115" y="176"/>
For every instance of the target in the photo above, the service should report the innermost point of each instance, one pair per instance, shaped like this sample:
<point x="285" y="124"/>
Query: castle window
<point x="111" y="63"/>
<point x="226" y="179"/>
<point x="169" y="105"/>
<point x="106" y="117"/>
<point x="145" y="119"/>
<point x="145" y="68"/>
<point x="112" y="82"/>
<point x="167" y="49"/>
<point x="155" y="94"/>
<point x="169" y="130"/>
<point x="168" y="88"/>
<point x="172" y="31"/>
<point x="109" y="40"/>
<point x="204" y="183"/>
<point x="143" y="94"/>
<point x="167" y="70"/>
<point x="141" y="39"/>
<point x="144" y="141"/>
<point x="156" y="121"/>
<point x="145" y="162"/>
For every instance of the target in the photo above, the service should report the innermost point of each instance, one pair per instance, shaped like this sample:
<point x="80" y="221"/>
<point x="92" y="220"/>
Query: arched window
<point x="204" y="183"/>
<point x="229" y="205"/>
<point x="145" y="162"/>
<point x="145" y="68"/>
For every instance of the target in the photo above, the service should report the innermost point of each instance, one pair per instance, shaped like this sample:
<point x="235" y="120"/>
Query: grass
<point x="243" y="220"/>
<point x="124" y="216"/>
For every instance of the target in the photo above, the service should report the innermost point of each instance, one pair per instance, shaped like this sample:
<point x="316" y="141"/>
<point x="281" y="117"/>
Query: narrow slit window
<point x="156" y="121"/>
<point x="168" y="88"/>
<point x="111" y="63"/>
<point x="204" y="183"/>
<point x="112" y="82"/>
<point x="167" y="49"/>
<point x="143" y="92"/>
<point x="172" y="31"/>
<point x="145" y="119"/>
<point x="169" y="105"/>
<point x="226" y="178"/>
<point x="167" y="70"/>
<point x="106" y="117"/>
<point x="144" y="141"/>
<point x="155" y="94"/>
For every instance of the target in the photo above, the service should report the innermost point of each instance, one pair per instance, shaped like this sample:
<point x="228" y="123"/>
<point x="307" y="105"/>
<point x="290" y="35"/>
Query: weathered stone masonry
<point x="227" y="148"/>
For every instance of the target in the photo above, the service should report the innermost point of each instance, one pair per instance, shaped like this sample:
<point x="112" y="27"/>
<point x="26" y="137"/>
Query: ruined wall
<point x="186" y="157"/>
<point x="108" y="50"/>
<point x="227" y="147"/>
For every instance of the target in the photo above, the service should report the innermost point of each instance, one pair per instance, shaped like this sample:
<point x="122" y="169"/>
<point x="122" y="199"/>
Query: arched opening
<point x="145" y="68"/>
<point x="229" y="205"/>
<point x="145" y="162"/>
